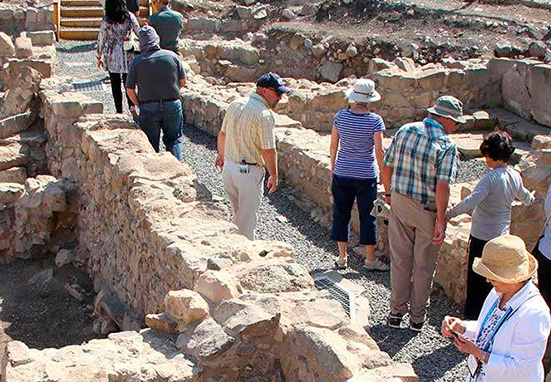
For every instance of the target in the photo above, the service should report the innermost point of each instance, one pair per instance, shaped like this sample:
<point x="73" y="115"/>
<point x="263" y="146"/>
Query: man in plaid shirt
<point x="418" y="168"/>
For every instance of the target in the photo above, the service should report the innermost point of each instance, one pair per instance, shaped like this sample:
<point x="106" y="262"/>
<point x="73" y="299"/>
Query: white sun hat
<point x="363" y="91"/>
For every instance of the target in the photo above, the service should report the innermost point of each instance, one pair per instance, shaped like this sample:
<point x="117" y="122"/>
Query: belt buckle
<point x="244" y="168"/>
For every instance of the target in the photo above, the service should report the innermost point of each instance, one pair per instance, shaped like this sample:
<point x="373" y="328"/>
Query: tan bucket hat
<point x="506" y="259"/>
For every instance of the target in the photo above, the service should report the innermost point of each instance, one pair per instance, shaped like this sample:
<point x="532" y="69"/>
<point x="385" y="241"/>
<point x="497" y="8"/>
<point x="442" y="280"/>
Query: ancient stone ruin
<point x="182" y="294"/>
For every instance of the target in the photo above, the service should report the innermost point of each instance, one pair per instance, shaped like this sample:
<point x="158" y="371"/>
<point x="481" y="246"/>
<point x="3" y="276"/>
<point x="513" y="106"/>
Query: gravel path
<point x="433" y="358"/>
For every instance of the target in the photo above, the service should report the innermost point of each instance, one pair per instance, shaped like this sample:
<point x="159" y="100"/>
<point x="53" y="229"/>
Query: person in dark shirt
<point x="167" y="23"/>
<point x="159" y="76"/>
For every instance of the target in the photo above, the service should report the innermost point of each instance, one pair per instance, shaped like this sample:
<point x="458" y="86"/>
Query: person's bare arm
<point x="333" y="148"/>
<point x="270" y="159"/>
<point x="182" y="82"/>
<point x="221" y="143"/>
<point x="379" y="151"/>
<point x="133" y="97"/>
<point x="442" y="198"/>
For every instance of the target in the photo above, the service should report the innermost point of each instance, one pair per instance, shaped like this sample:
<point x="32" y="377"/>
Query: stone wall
<point x="15" y="18"/>
<point x="525" y="88"/>
<point x="148" y="231"/>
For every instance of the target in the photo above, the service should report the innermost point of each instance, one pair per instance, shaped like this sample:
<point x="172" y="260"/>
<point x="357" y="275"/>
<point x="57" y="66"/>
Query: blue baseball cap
<point x="273" y="81"/>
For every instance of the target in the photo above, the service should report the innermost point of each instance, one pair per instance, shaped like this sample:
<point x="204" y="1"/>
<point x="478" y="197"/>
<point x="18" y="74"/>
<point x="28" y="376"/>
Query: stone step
<point x="12" y="156"/>
<point x="13" y="175"/>
<point x="81" y="22"/>
<point x="81" y="12"/>
<point x="81" y="3"/>
<point x="79" y="33"/>
<point x="519" y="128"/>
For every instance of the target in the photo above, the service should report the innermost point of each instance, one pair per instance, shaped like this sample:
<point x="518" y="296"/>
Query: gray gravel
<point x="78" y="60"/>
<point x="433" y="358"/>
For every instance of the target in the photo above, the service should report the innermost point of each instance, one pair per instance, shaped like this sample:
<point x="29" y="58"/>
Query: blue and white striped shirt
<point x="356" y="156"/>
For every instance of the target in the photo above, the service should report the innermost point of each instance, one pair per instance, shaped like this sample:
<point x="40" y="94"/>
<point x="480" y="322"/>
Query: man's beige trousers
<point x="413" y="257"/>
<point x="245" y="191"/>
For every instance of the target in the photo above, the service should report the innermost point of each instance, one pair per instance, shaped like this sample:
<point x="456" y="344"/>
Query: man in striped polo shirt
<point x="418" y="169"/>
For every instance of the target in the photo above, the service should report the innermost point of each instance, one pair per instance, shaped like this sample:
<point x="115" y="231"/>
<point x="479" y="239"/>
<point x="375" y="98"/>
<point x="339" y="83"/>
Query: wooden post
<point x="57" y="17"/>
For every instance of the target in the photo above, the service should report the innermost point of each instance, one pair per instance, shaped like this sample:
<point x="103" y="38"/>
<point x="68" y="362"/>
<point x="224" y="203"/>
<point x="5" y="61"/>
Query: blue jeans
<point x="345" y="192"/>
<point x="165" y="116"/>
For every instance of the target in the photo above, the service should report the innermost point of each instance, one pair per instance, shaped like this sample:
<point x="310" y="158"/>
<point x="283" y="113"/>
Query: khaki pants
<point x="245" y="191"/>
<point x="413" y="257"/>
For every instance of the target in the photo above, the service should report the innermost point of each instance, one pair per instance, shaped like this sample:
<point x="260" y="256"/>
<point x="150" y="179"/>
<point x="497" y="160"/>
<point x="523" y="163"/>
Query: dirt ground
<point x="43" y="315"/>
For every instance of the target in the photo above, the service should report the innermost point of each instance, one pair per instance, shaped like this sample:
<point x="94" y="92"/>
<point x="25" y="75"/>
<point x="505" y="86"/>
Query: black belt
<point x="160" y="101"/>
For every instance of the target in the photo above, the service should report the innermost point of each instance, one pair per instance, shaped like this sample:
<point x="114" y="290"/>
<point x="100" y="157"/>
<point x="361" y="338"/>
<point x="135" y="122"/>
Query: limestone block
<point x="10" y="192"/>
<point x="284" y="121"/>
<point x="331" y="71"/>
<point x="17" y="354"/>
<point x="41" y="38"/>
<point x="23" y="47"/>
<point x="217" y="286"/>
<point x="469" y="144"/>
<point x="329" y="99"/>
<point x="15" y="124"/>
<point x="527" y="222"/>
<point x="206" y="341"/>
<point x="64" y="257"/>
<point x="541" y="99"/>
<point x="12" y="155"/>
<point x="541" y="142"/>
<point x="186" y="306"/>
<point x="203" y="25"/>
<point x="483" y="120"/>
<point x="13" y="175"/>
<point x="395" y="80"/>
<point x="274" y="277"/>
<point x="252" y="318"/>
<point x="296" y="41"/>
<point x="314" y="312"/>
<point x="54" y="197"/>
<point x="376" y="64"/>
<point x="22" y="86"/>
<point x="248" y="55"/>
<point x="516" y="88"/>
<point x="319" y="50"/>
<point x="6" y="45"/>
<point x="499" y="66"/>
<point x="432" y="79"/>
<point x="161" y="322"/>
<point x="327" y="356"/>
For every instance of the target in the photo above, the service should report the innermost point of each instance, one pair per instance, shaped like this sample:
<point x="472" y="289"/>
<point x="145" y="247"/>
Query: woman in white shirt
<point x="507" y="342"/>
<point x="542" y="253"/>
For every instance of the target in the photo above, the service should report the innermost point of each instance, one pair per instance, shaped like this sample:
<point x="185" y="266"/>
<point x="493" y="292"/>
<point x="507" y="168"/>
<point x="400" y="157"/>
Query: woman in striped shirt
<point x="356" y="156"/>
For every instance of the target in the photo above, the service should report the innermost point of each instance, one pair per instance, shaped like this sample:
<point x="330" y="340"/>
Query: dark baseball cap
<point x="273" y="81"/>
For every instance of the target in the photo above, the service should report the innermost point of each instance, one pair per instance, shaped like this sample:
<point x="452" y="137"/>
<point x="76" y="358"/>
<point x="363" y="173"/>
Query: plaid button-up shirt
<point x="420" y="155"/>
<point x="249" y="128"/>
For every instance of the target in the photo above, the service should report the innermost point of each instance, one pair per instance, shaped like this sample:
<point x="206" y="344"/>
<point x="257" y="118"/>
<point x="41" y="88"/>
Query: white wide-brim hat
<point x="363" y="91"/>
<point x="506" y="259"/>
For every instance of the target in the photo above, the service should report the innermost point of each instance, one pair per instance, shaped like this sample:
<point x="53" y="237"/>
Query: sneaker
<point x="376" y="265"/>
<point x="416" y="326"/>
<point x="394" y="320"/>
<point x="341" y="263"/>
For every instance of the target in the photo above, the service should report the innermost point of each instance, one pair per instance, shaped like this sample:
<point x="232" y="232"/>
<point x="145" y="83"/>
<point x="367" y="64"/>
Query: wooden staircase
<point x="81" y="19"/>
